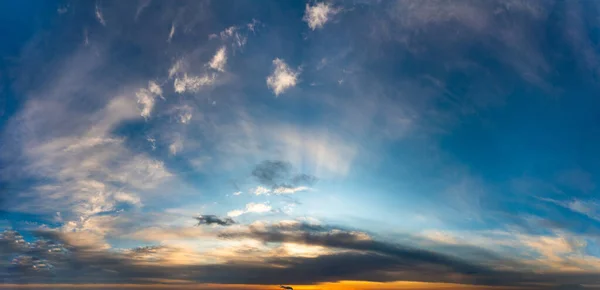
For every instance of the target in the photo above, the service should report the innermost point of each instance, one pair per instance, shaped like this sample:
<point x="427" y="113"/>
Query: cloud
<point x="214" y="220"/>
<point x="219" y="60"/>
<point x="304" y="179"/>
<point x="590" y="209"/>
<point x="99" y="15"/>
<point x="261" y="190"/>
<point x="333" y="254"/>
<point x="251" y="208"/>
<point x="146" y="98"/>
<point x="316" y="16"/>
<point x="271" y="172"/>
<point x="183" y="114"/>
<point x="235" y="35"/>
<point x="279" y="177"/>
<point x="192" y="83"/>
<point x="282" y="78"/>
<point x="289" y="189"/>
<point x="237" y="193"/>
<point x="176" y="146"/>
<point x="171" y="32"/>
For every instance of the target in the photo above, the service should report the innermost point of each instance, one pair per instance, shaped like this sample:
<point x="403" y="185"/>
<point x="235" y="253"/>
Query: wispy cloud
<point x="282" y="78"/>
<point x="251" y="208"/>
<point x="99" y="15"/>
<point x="171" y="32"/>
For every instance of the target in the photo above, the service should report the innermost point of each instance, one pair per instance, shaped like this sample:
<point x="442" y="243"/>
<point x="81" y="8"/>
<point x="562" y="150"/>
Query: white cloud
<point x="229" y="32"/>
<point x="235" y="213"/>
<point x="237" y="193"/>
<point x="261" y="190"/>
<point x="282" y="78"/>
<point x="192" y="83"/>
<point x="171" y="33"/>
<point x="316" y="16"/>
<point x="251" y="208"/>
<point x="219" y="60"/>
<point x="147" y="97"/>
<point x="257" y="207"/>
<point x="176" y="146"/>
<point x="290" y="190"/>
<point x="99" y="15"/>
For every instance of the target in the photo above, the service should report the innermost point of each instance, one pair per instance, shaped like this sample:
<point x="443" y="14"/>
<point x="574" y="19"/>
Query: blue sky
<point x="197" y="134"/>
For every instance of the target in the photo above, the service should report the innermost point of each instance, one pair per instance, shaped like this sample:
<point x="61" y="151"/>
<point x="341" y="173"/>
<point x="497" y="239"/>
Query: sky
<point x="324" y="145"/>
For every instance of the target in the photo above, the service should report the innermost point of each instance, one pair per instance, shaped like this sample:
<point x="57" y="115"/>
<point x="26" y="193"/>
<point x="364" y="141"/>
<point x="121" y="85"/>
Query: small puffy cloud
<point x="192" y="83"/>
<point x="282" y="78"/>
<point x="99" y="15"/>
<point x="237" y="193"/>
<point x="146" y="98"/>
<point x="251" y="208"/>
<point x="209" y="219"/>
<point x="219" y="60"/>
<point x="316" y="16"/>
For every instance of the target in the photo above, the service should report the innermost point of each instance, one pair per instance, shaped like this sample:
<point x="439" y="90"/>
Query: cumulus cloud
<point x="282" y="78"/>
<point x="214" y="220"/>
<point x="316" y="16"/>
<point x="251" y="208"/>
<point x="219" y="60"/>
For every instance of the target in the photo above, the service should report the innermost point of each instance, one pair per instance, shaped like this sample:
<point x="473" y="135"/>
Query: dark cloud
<point x="304" y="179"/>
<point x="362" y="259"/>
<point x="303" y="233"/>
<point x="209" y="219"/>
<point x="271" y="172"/>
<point x="278" y="174"/>
<point x="568" y="287"/>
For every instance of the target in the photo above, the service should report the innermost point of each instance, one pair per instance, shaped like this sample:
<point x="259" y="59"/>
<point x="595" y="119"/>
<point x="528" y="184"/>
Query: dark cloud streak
<point x="210" y="219"/>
